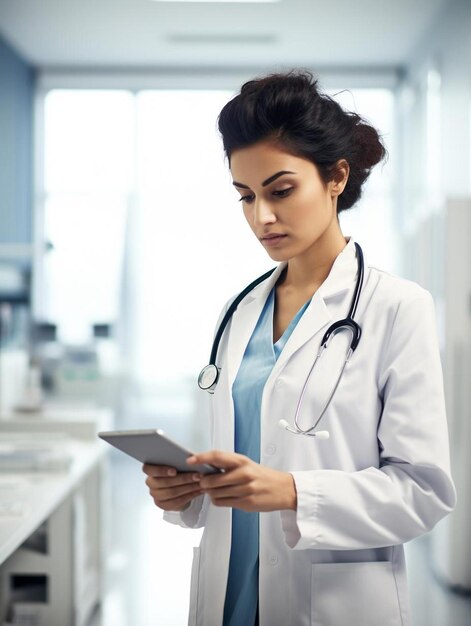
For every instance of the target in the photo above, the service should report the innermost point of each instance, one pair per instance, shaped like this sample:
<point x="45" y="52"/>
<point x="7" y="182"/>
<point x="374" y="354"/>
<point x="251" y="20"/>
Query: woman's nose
<point x="263" y="214"/>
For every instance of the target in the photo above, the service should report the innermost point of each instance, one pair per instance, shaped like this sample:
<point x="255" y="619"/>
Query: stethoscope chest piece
<point x="208" y="378"/>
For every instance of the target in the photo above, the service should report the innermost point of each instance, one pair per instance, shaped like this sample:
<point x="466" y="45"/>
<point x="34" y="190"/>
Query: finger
<point x="218" y="458"/>
<point x="231" y="477"/>
<point x="240" y="491"/>
<point x="182" y="478"/>
<point x="177" y="504"/>
<point x="158" y="470"/>
<point x="175" y="492"/>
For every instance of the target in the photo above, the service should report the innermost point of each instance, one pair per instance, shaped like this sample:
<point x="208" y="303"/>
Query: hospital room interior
<point x="121" y="238"/>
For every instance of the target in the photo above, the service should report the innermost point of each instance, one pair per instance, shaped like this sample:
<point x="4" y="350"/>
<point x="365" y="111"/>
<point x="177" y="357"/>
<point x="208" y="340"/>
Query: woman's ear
<point x="338" y="182"/>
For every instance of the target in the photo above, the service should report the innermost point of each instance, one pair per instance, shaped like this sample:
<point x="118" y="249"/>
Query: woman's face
<point x="285" y="201"/>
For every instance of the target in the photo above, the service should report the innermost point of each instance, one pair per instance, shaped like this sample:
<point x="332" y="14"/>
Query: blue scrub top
<point x="259" y="358"/>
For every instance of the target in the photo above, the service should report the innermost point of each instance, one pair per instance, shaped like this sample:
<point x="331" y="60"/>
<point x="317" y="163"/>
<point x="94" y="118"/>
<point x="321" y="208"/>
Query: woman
<point x="308" y="529"/>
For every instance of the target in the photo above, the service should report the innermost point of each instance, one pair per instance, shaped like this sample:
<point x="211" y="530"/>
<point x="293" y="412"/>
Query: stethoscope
<point x="209" y="375"/>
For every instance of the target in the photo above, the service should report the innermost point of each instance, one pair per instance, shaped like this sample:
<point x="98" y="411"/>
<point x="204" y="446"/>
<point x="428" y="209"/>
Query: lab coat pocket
<point x="364" y="593"/>
<point x="195" y="570"/>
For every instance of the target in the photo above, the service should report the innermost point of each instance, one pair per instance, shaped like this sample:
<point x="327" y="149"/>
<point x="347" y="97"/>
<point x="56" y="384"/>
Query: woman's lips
<point x="272" y="240"/>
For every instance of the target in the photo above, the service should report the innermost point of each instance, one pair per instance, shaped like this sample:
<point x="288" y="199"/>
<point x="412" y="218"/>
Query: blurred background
<point x="115" y="208"/>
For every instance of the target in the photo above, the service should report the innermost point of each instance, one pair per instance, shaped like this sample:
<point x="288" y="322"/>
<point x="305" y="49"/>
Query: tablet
<point x="154" y="447"/>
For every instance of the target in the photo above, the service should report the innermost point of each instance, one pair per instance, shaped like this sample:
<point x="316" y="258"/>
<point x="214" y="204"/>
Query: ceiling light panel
<point x="200" y="38"/>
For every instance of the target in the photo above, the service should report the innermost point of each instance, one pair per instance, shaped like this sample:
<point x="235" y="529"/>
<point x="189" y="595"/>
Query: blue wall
<point x="16" y="147"/>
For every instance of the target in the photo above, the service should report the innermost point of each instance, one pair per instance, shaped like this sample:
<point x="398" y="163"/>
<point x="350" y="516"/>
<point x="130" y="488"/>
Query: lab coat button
<point x="273" y="559"/>
<point x="271" y="449"/>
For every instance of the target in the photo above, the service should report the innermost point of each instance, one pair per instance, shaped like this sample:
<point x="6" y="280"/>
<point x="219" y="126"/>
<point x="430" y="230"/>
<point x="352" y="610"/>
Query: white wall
<point x="434" y="115"/>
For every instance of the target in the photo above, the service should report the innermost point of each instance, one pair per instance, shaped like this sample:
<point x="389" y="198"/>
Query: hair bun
<point x="369" y="149"/>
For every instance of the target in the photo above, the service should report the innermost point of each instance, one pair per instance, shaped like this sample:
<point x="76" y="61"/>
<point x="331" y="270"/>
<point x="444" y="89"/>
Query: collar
<point x="342" y="273"/>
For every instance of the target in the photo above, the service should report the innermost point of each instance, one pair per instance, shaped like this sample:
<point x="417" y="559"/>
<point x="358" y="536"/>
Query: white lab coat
<point x="381" y="479"/>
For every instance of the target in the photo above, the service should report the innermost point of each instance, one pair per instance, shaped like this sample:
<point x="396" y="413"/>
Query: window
<point x="89" y="165"/>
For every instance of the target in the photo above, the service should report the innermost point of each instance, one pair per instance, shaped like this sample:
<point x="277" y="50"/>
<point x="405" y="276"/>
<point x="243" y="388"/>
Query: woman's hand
<point x="245" y="484"/>
<point x="170" y="490"/>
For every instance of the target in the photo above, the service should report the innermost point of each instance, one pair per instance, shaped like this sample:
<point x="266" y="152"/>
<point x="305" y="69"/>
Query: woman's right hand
<point x="171" y="490"/>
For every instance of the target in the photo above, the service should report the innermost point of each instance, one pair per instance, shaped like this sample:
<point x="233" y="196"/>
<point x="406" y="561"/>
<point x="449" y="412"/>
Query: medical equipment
<point x="209" y="375"/>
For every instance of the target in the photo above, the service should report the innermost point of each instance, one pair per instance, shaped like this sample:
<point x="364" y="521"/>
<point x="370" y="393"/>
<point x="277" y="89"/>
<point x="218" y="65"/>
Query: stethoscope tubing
<point x="231" y="310"/>
<point x="307" y="431"/>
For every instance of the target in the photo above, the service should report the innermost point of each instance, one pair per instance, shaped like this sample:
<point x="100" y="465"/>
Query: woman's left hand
<point x="245" y="484"/>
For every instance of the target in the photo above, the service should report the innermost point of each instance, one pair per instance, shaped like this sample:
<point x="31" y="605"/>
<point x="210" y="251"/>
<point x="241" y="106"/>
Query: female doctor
<point x="307" y="521"/>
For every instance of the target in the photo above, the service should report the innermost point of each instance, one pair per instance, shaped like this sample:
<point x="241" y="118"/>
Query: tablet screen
<point x="155" y="448"/>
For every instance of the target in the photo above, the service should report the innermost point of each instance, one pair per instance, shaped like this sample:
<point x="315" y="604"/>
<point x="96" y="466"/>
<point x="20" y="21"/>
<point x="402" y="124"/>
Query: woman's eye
<point x="282" y="192"/>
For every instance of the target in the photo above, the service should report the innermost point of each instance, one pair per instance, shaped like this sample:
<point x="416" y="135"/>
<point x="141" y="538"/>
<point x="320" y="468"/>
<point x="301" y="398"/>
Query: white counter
<point x="41" y="493"/>
<point x="69" y="504"/>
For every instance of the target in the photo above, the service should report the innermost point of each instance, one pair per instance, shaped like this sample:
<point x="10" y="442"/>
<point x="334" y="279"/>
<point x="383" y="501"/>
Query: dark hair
<point x="289" y="108"/>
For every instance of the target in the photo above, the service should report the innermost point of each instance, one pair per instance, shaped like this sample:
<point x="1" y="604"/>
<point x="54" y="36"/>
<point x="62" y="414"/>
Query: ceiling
<point x="140" y="34"/>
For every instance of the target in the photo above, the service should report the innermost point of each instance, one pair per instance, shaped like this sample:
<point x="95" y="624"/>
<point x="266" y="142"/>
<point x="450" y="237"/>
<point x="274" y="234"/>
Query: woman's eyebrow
<point x="265" y="182"/>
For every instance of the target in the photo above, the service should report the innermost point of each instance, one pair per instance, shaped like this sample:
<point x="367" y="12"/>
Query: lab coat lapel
<point x="326" y="305"/>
